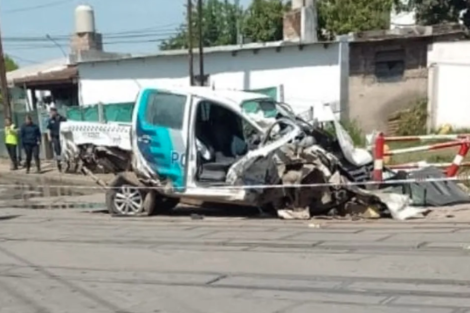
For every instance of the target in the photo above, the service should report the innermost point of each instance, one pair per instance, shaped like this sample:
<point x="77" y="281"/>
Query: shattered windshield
<point x="267" y="108"/>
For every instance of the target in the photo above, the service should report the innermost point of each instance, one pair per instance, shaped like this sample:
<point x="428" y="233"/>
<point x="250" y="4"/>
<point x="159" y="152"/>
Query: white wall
<point x="309" y="76"/>
<point x="448" y="95"/>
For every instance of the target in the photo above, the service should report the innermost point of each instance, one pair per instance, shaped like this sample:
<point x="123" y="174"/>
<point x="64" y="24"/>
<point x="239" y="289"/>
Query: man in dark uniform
<point x="53" y="125"/>
<point x="31" y="141"/>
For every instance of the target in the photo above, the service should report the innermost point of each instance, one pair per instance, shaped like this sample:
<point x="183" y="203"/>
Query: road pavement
<point x="72" y="261"/>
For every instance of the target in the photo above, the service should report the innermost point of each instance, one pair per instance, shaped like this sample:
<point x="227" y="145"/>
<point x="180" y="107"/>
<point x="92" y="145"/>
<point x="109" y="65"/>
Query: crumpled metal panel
<point x="434" y="193"/>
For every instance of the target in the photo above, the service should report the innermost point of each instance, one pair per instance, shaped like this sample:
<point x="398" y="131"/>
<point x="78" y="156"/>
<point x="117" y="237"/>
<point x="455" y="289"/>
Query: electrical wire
<point x="120" y="37"/>
<point x="19" y="47"/>
<point x="38" y="7"/>
<point x="152" y="34"/>
<point x="116" y="35"/>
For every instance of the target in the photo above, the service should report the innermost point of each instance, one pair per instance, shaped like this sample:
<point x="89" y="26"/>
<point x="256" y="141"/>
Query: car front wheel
<point x="125" y="198"/>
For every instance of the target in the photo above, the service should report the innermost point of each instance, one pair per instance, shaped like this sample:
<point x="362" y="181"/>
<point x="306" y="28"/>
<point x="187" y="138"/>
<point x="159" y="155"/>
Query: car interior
<point x="221" y="141"/>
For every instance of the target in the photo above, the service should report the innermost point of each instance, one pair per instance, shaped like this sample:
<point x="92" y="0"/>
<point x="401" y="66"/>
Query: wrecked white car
<point x="219" y="146"/>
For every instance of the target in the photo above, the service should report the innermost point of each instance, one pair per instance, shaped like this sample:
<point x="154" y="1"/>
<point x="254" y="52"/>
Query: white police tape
<point x="247" y="187"/>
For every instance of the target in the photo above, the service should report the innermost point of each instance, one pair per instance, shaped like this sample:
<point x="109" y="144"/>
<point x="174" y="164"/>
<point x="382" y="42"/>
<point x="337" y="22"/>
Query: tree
<point x="220" y="19"/>
<point x="432" y="12"/>
<point x="178" y="41"/>
<point x="10" y="64"/>
<point x="263" y="20"/>
<point x="339" y="17"/>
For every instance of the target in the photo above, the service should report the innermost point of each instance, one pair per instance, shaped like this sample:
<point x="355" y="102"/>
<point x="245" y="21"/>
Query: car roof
<point x="232" y="97"/>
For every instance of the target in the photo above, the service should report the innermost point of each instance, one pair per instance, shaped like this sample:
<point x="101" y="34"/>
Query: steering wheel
<point x="269" y="131"/>
<point x="304" y="122"/>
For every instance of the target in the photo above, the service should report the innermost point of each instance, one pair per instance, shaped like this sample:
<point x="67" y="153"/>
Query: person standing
<point x="31" y="140"/>
<point x="11" y="142"/>
<point x="53" y="125"/>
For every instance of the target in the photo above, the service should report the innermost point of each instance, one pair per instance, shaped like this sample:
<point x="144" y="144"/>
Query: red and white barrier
<point x="458" y="140"/>
<point x="457" y="163"/>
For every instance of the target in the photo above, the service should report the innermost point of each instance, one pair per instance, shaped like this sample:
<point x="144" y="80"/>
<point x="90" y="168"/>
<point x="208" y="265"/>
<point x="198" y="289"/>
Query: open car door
<point x="160" y="123"/>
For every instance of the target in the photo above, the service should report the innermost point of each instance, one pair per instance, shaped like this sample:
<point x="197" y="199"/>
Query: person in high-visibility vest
<point x="11" y="142"/>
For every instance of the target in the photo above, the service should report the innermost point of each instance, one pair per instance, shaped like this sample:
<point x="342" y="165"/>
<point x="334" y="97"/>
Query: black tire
<point x="156" y="204"/>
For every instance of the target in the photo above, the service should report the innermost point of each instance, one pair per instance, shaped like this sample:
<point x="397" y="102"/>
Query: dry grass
<point x="438" y="156"/>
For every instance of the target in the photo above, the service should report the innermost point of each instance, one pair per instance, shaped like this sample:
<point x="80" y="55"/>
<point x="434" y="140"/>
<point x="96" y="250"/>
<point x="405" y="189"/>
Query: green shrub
<point x="353" y="129"/>
<point x="413" y="121"/>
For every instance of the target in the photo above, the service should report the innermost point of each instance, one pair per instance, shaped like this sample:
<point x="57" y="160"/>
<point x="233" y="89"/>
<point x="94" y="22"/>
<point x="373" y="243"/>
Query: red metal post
<point x="379" y="157"/>
<point x="454" y="167"/>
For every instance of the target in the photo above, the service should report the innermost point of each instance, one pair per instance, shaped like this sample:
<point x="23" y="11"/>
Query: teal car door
<point x="161" y="131"/>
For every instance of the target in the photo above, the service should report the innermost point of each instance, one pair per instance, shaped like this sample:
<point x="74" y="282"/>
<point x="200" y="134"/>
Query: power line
<point x="39" y="38"/>
<point x="171" y="25"/>
<point x="38" y="7"/>
<point x="21" y="47"/>
<point x="20" y="43"/>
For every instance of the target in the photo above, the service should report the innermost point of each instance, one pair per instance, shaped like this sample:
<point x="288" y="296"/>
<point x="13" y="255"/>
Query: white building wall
<point x="310" y="76"/>
<point x="449" y="74"/>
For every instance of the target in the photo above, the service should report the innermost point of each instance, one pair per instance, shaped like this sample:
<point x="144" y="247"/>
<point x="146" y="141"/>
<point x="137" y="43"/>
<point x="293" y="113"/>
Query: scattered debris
<point x="197" y="216"/>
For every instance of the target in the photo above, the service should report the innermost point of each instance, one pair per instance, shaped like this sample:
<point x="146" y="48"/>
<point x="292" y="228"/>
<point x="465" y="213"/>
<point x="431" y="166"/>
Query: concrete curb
<point x="74" y="206"/>
<point x="31" y="178"/>
<point x="49" y="177"/>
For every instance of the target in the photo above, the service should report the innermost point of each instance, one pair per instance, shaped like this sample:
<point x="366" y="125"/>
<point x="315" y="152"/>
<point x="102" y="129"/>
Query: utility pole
<point x="4" y="83"/>
<point x="239" y="38"/>
<point x="202" y="79"/>
<point x="190" y="42"/>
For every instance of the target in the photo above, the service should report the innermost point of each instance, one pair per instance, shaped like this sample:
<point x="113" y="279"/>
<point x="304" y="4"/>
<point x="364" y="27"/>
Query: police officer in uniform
<point x="53" y="125"/>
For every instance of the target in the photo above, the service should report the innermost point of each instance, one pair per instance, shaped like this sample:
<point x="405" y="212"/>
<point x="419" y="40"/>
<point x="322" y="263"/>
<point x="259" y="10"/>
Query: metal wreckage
<point x="219" y="147"/>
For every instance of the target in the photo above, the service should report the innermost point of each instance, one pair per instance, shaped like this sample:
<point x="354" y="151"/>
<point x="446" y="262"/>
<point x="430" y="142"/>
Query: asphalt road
<point x="68" y="261"/>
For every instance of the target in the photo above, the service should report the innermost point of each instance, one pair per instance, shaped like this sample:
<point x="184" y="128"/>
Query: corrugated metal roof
<point x="37" y="69"/>
<point x="56" y="76"/>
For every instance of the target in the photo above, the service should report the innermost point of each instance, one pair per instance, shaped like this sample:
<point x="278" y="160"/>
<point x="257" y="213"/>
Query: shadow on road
<point x="9" y="217"/>
<point x="220" y="210"/>
<point x="216" y="210"/>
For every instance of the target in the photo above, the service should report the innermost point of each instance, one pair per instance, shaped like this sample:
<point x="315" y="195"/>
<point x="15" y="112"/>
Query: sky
<point x="130" y="26"/>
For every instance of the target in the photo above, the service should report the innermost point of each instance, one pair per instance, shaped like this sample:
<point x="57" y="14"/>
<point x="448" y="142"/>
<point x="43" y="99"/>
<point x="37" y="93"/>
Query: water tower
<point x="300" y="23"/>
<point x="85" y="37"/>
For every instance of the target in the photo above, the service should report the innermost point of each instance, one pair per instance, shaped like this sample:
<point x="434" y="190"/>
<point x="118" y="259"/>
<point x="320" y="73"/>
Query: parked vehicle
<point x="217" y="146"/>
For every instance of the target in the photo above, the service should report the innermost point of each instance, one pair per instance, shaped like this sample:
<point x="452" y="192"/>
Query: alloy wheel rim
<point x="128" y="200"/>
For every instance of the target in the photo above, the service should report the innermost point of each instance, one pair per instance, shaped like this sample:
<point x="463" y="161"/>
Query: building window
<point x="390" y="65"/>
